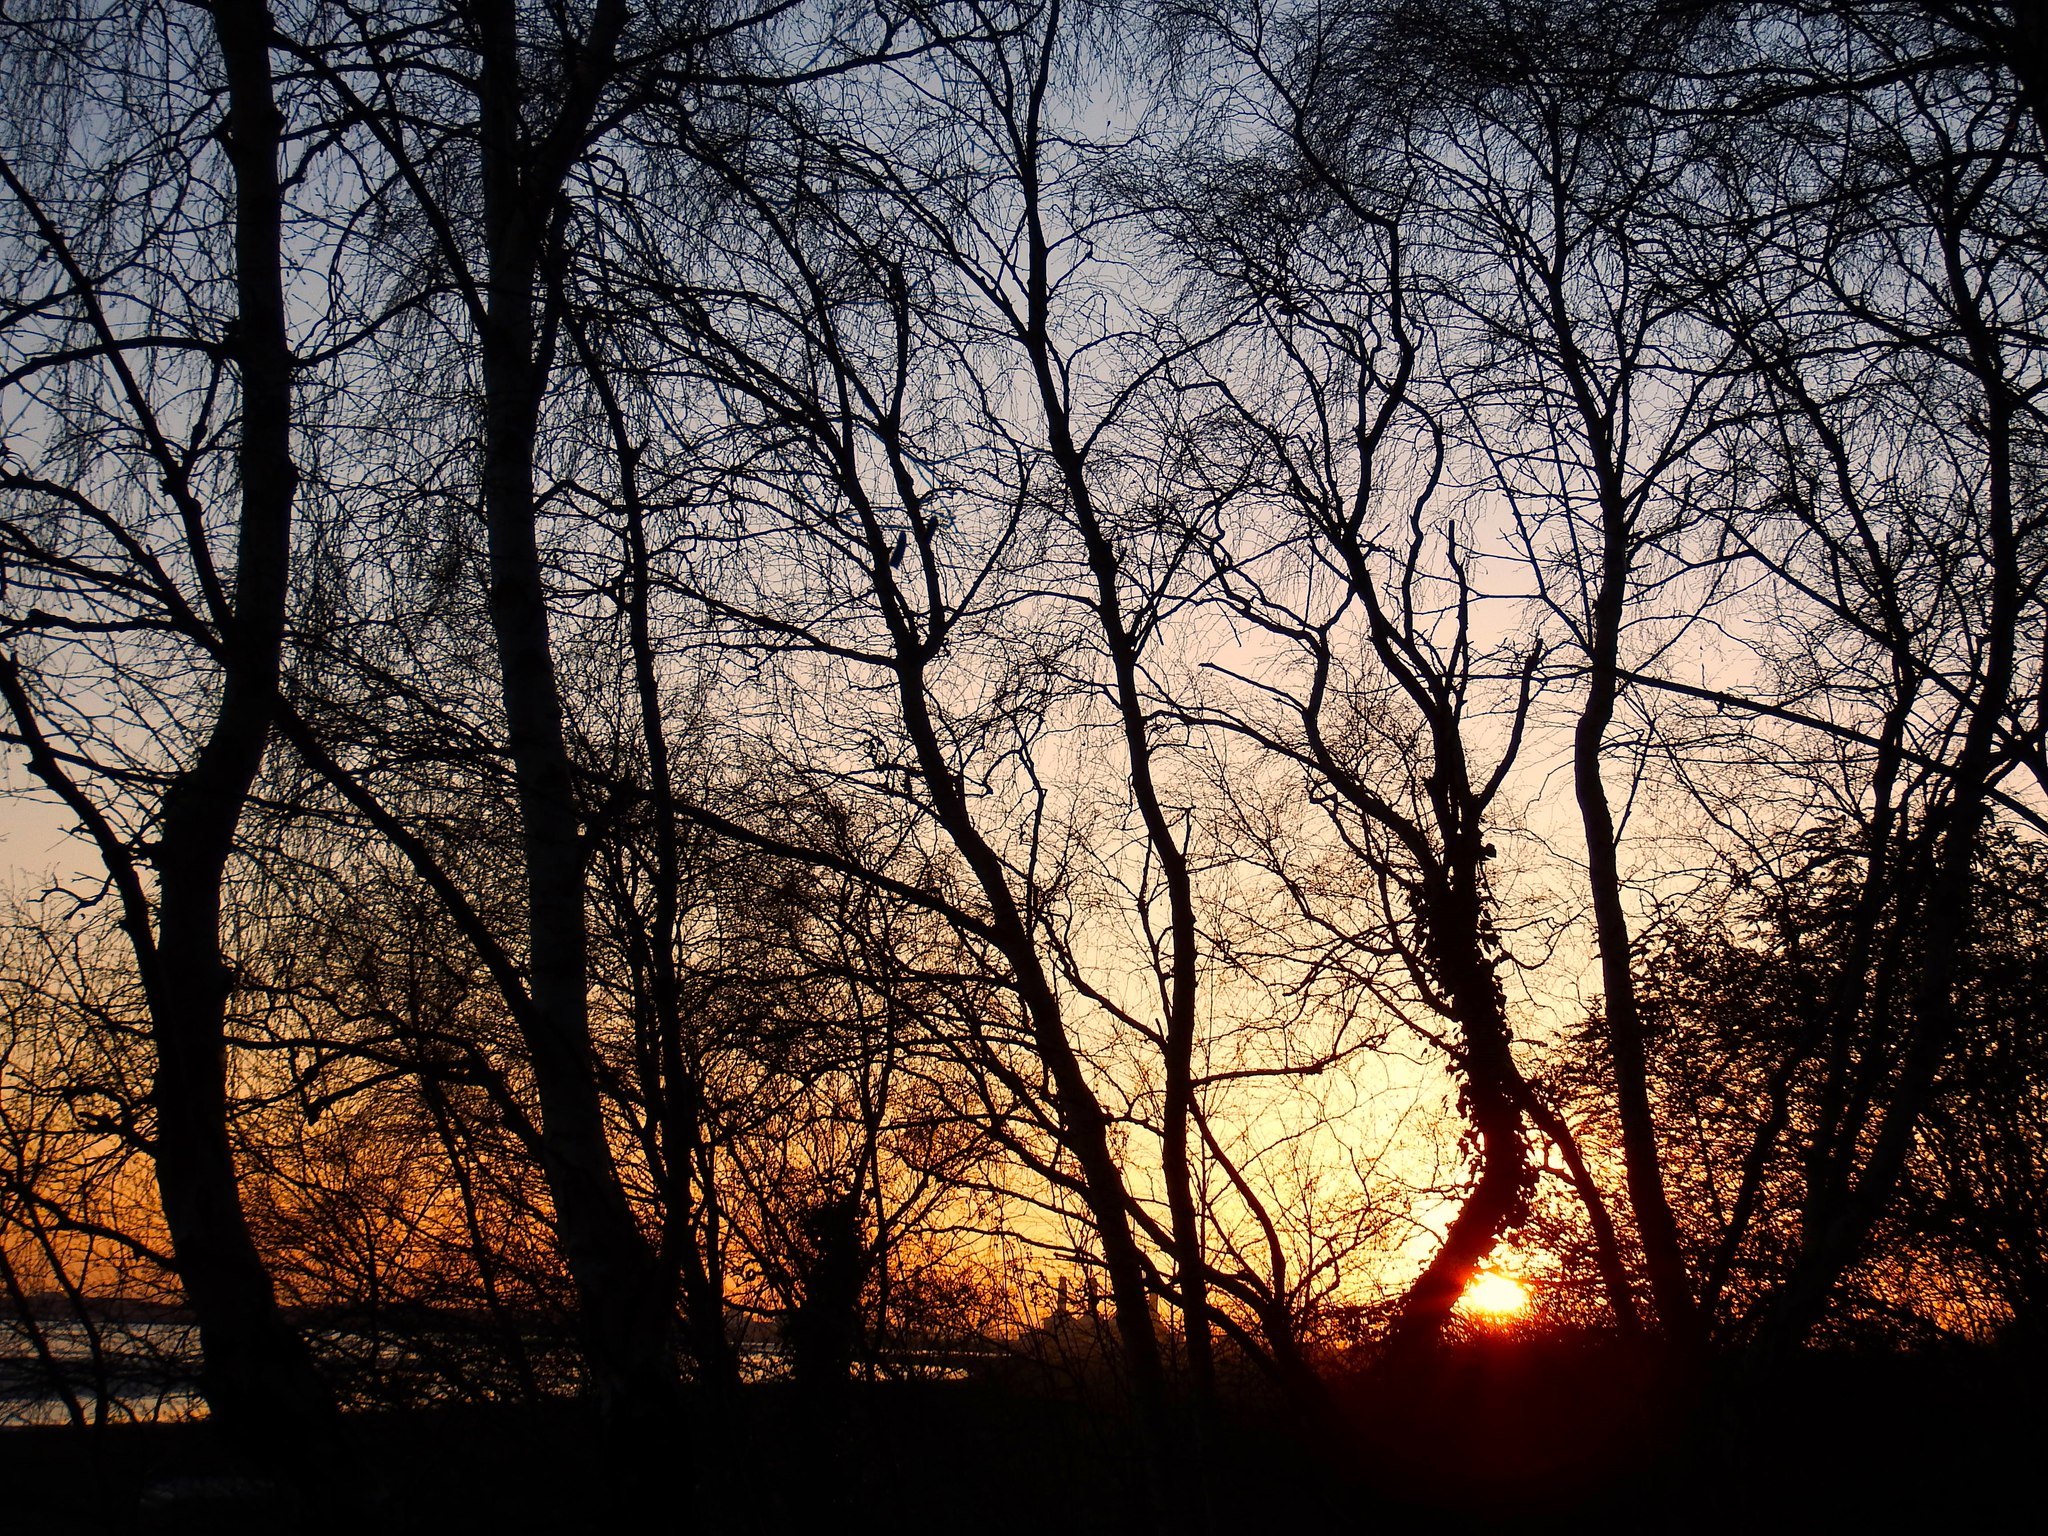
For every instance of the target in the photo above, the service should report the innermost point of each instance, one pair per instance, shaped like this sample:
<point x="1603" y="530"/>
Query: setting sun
<point x="1494" y="1296"/>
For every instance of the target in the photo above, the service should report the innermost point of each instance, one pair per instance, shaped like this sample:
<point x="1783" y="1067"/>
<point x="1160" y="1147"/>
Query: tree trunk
<point x="1084" y="1129"/>
<point x="258" y="1375"/>
<point x="1663" y="1256"/>
<point x="625" y="1316"/>
<point x="1840" y="1228"/>
<point x="1191" y="1268"/>
<point x="1493" y="1095"/>
<point x="680" y="1104"/>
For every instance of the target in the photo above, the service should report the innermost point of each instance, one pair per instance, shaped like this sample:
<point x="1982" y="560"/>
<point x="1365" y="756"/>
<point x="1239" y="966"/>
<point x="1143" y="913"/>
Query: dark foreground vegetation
<point x="1505" y="1435"/>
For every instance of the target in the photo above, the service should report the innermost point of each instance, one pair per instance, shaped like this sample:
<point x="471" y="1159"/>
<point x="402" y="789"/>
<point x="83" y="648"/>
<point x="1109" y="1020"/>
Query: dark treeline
<point x="838" y="687"/>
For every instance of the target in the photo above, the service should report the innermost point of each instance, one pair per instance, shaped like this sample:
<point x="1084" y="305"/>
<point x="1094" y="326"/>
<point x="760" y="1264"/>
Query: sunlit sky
<point x="33" y="830"/>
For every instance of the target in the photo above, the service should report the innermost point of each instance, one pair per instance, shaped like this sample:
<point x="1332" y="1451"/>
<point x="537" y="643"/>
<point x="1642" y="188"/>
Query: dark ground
<point x="1507" y="1439"/>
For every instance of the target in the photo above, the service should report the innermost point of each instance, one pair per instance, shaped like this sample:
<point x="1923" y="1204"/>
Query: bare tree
<point x="210" y="564"/>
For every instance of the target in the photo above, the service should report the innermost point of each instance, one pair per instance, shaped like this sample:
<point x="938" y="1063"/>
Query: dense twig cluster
<point x="735" y="673"/>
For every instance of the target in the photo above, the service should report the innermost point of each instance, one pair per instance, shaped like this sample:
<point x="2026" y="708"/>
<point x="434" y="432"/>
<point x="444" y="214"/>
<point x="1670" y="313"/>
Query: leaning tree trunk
<point x="1493" y="1093"/>
<point x="1084" y="1127"/>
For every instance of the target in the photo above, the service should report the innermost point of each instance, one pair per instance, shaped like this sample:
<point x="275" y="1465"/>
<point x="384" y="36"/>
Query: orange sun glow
<point x="1494" y="1297"/>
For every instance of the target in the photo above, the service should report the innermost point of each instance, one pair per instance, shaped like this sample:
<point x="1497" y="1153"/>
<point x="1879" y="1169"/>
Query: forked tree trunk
<point x="1191" y="1268"/>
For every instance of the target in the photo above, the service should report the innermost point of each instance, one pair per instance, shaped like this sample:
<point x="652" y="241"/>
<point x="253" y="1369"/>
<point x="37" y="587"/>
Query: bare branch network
<point x="1212" y="692"/>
